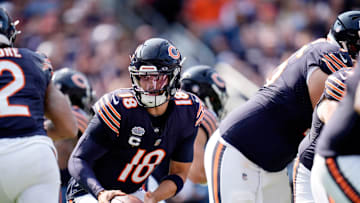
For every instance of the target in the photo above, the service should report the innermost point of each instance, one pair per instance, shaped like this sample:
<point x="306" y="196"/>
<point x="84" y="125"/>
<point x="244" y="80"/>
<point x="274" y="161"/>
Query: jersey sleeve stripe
<point x="333" y="95"/>
<point x="329" y="66"/>
<point x="211" y="119"/>
<point x="200" y="110"/>
<point x="204" y="125"/>
<point x="82" y="127"/>
<point x="199" y="118"/>
<point x="337" y="60"/>
<point x="347" y="188"/>
<point x="111" y="126"/>
<point x="108" y="114"/>
<point x="333" y="62"/>
<point x="337" y="81"/>
<point x="334" y="88"/>
<point x="81" y="123"/>
<point x="112" y="109"/>
<point x="207" y="127"/>
<point x="80" y="117"/>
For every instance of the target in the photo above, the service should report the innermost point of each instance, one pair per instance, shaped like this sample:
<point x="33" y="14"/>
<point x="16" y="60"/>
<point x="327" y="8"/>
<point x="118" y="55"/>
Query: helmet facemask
<point x="353" y="47"/>
<point x="8" y="30"/>
<point x="154" y="86"/>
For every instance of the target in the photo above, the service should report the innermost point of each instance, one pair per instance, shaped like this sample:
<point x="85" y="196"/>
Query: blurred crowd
<point x="97" y="36"/>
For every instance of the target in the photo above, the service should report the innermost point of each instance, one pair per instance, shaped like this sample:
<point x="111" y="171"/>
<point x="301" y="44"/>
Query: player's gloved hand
<point x="106" y="195"/>
<point x="149" y="198"/>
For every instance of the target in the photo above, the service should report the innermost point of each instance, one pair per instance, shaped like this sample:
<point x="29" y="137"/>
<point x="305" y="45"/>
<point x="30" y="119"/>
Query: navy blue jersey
<point x="24" y="78"/>
<point x="209" y="124"/>
<point x="335" y="88"/>
<point x="268" y="128"/>
<point x="123" y="144"/>
<point x="340" y="135"/>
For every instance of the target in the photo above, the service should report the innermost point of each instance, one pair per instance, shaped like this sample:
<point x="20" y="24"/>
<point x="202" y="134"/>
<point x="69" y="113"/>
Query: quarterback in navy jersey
<point x="335" y="89"/>
<point x="261" y="137"/>
<point x="335" y="173"/>
<point x="29" y="171"/>
<point x="135" y="129"/>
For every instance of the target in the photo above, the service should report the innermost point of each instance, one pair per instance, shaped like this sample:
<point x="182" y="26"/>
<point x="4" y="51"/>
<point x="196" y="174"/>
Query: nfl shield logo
<point x="139" y="131"/>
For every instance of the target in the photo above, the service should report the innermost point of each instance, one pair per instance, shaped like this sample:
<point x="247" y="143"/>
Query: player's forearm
<point x="58" y="132"/>
<point x="166" y="190"/>
<point x="58" y="110"/>
<point x="83" y="174"/>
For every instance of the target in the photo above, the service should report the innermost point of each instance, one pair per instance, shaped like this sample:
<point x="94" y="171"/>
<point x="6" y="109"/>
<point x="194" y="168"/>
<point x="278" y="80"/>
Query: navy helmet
<point x="8" y="31"/>
<point x="346" y="32"/>
<point x="75" y="84"/>
<point x="206" y="83"/>
<point x="155" y="72"/>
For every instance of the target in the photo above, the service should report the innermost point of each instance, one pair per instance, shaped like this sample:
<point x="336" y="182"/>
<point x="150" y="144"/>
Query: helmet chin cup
<point x="151" y="101"/>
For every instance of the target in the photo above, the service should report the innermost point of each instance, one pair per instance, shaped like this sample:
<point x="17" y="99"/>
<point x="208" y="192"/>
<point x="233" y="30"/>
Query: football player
<point x="28" y="171"/>
<point x="334" y="91"/>
<point x="135" y="129"/>
<point x="78" y="89"/>
<point x="259" y="139"/>
<point x="335" y="173"/>
<point x="205" y="83"/>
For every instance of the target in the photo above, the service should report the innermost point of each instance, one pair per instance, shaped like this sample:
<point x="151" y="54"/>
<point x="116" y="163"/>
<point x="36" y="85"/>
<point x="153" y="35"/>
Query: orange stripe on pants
<point x="216" y="167"/>
<point x="341" y="181"/>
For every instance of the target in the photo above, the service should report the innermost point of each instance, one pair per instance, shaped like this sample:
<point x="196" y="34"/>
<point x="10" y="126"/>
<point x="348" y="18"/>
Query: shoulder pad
<point x="106" y="109"/>
<point x="183" y="98"/>
<point x="335" y="86"/>
<point x="42" y="62"/>
<point x="334" y="61"/>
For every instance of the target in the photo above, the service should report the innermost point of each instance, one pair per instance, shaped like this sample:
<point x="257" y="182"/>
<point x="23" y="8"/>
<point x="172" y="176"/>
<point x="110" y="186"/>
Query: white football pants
<point x="233" y="178"/>
<point x="29" y="172"/>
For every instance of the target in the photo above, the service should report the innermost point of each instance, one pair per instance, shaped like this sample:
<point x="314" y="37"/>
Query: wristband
<point x="176" y="179"/>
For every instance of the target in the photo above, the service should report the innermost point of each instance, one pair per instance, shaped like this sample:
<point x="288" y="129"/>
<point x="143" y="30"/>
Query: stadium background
<point x="241" y="38"/>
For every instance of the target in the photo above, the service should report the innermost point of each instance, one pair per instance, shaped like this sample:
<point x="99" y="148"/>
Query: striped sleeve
<point x="200" y="113"/>
<point x="107" y="112"/>
<point x="81" y="118"/>
<point x="209" y="123"/>
<point x="335" y="86"/>
<point x="332" y="62"/>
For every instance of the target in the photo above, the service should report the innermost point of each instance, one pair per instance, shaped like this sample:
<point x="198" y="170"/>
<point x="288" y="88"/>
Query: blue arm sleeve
<point x="91" y="146"/>
<point x="184" y="151"/>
